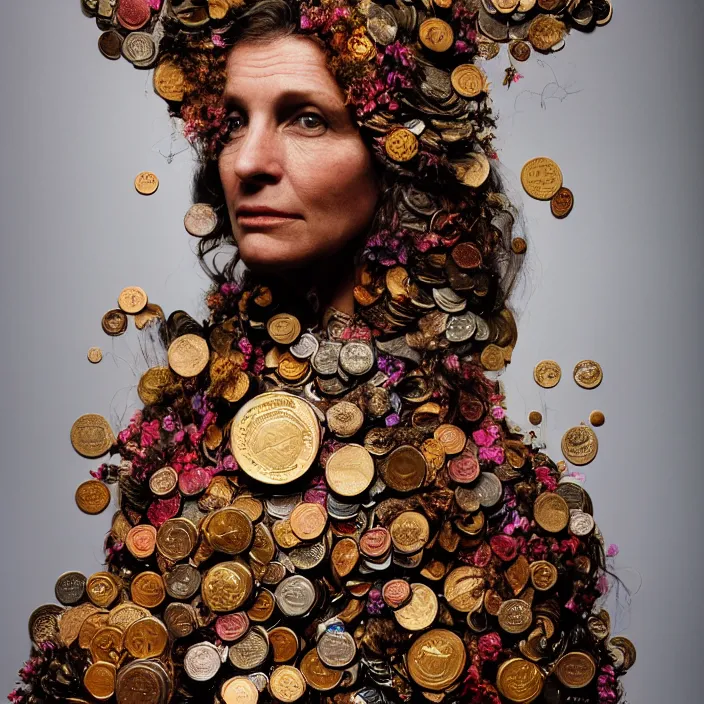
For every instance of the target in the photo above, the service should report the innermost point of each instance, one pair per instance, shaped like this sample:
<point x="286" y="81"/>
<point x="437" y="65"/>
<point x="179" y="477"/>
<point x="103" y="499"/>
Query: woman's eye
<point x="235" y="121"/>
<point x="318" y="121"/>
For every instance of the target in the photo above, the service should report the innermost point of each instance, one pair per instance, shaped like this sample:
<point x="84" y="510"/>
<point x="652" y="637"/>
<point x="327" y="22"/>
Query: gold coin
<point x="473" y="170"/>
<point x="308" y="520"/>
<point x="72" y="621"/>
<point x="541" y="178"/>
<point x="148" y="590"/>
<point x="344" y="419"/>
<point x="535" y="417"/>
<point x="154" y="383"/>
<point x="107" y="645"/>
<point x="283" y="328"/>
<point x="361" y="47"/>
<point x="284" y="644"/>
<point x="150" y="312"/>
<point x="464" y="588"/>
<point x="547" y="373"/>
<point x="229" y="530"/>
<point x="114" y="322"/>
<point x="99" y="680"/>
<point x="95" y="354"/>
<point x="451" y="437"/>
<point x="580" y="445"/>
<point x="588" y="374"/>
<point x="401" y="144"/>
<point x="515" y="616"/>
<point x="146" y="183"/>
<point x="551" y="512"/>
<point x="250" y="506"/>
<point x="318" y="675"/>
<point x="519" y="680"/>
<point x="124" y="615"/>
<point x="344" y="557"/>
<point x="543" y="574"/>
<point x="506" y="7"/>
<point x="349" y="471"/>
<point x="436" y="34"/>
<point x="545" y="32"/>
<point x="405" y="469"/>
<point x="410" y="531"/>
<point x="227" y="586"/>
<point x="420" y="611"/>
<point x="90" y="627"/>
<point x="518" y="245"/>
<point x="188" y="355"/>
<point x="146" y="638"/>
<point x="434" y="454"/>
<point x="284" y="536"/>
<point x="292" y="369"/>
<point x="163" y="481"/>
<point x="176" y="538"/>
<point x="468" y="80"/>
<point x="91" y="435"/>
<point x="132" y="299"/>
<point x="92" y="497"/>
<point x="436" y="659"/>
<point x="141" y="541"/>
<point x="169" y="81"/>
<point x="275" y="437"/>
<point x="596" y="418"/>
<point x="492" y="358"/>
<point x="262" y="608"/>
<point x="287" y="684"/>
<point x="239" y="690"/>
<point x="576" y="669"/>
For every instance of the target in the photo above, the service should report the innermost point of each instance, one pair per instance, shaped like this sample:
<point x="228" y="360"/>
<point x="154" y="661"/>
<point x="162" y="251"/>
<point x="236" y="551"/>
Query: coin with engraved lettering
<point x="541" y="178"/>
<point x="202" y="661"/>
<point x="295" y="596"/>
<point x="580" y="445"/>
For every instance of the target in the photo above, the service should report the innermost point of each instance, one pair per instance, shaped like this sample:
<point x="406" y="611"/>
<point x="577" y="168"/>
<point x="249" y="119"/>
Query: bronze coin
<point x="92" y="497"/>
<point x="597" y="418"/>
<point x="520" y="51"/>
<point x="535" y="417"/>
<point x="561" y="203"/>
<point x="405" y="469"/>
<point x="110" y="45"/>
<point x="114" y="322"/>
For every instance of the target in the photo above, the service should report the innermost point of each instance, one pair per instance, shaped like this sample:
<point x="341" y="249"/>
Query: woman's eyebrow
<point x="287" y="98"/>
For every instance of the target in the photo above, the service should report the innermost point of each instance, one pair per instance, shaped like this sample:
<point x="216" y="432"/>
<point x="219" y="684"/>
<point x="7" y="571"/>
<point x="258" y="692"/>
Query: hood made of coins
<point x="341" y="512"/>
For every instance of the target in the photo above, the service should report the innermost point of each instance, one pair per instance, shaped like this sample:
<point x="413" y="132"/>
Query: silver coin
<point x="192" y="512"/>
<point x="448" y="300"/>
<point x="295" y="596"/>
<point x="202" y="661"/>
<point x="381" y="25"/>
<point x="489" y="489"/>
<point x="336" y="647"/>
<point x="281" y="506"/>
<point x="182" y="582"/>
<point x="153" y="688"/>
<point x="260" y="680"/>
<point x="461" y="327"/>
<point x="200" y="220"/>
<point x="581" y="524"/>
<point x="307" y="557"/>
<point x="331" y="387"/>
<point x="251" y="651"/>
<point x="341" y="510"/>
<point x="180" y="620"/>
<point x="482" y="333"/>
<point x="306" y="346"/>
<point x="70" y="588"/>
<point x="139" y="48"/>
<point x="326" y="357"/>
<point x="398" y="347"/>
<point x="356" y="358"/>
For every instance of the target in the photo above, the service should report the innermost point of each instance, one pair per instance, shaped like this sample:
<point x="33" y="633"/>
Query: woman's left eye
<point x="319" y="122"/>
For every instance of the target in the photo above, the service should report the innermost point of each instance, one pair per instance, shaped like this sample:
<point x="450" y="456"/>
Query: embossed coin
<point x="287" y="684"/>
<point x="547" y="373"/>
<point x="95" y="355"/>
<point x="436" y="34"/>
<point x="146" y="638"/>
<point x="561" y="203"/>
<point x="176" y="539"/>
<point x="107" y="645"/>
<point x="541" y="178"/>
<point x="138" y="682"/>
<point x="515" y="616"/>
<point x="543" y="574"/>
<point x="580" y="445"/>
<point x="396" y="593"/>
<point x="520" y="50"/>
<point x="114" y="322"/>
<point x="92" y="497"/>
<point x="318" y="675"/>
<point x="202" y="661"/>
<point x="44" y="623"/>
<point x="473" y="171"/>
<point x="519" y="680"/>
<point x="344" y="419"/>
<point x="154" y="383"/>
<point x="588" y="374"/>
<point x="401" y="144"/>
<point x="492" y="358"/>
<point x="99" y="680"/>
<point x="239" y="690"/>
<point x="227" y="585"/>
<point x="576" y="669"/>
<point x="421" y="610"/>
<point x="308" y="520"/>
<point x="545" y="32"/>
<point x="188" y="355"/>
<point x="284" y="644"/>
<point x="70" y="588"/>
<point x="436" y="659"/>
<point x="464" y="588"/>
<point x="336" y="647"/>
<point x="148" y="590"/>
<point x="132" y="299"/>
<point x="146" y="182"/>
<point x="283" y="328"/>
<point x="182" y="582"/>
<point x="91" y="435"/>
<point x="410" y="532"/>
<point x="141" y="541"/>
<point x="551" y="512"/>
<point x="535" y="417"/>
<point x="275" y="437"/>
<point x="229" y="530"/>
<point x="452" y="438"/>
<point x="200" y="220"/>
<point x="295" y="596"/>
<point x="251" y="651"/>
<point x="356" y="358"/>
<point x="102" y="588"/>
<point x="163" y="482"/>
<point x="170" y="82"/>
<point x="468" y="80"/>
<point x="349" y="471"/>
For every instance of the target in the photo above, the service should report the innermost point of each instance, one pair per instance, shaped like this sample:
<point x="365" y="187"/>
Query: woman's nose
<point x="258" y="154"/>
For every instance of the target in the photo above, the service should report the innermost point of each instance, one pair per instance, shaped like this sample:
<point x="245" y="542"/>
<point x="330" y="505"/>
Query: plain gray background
<point x="618" y="281"/>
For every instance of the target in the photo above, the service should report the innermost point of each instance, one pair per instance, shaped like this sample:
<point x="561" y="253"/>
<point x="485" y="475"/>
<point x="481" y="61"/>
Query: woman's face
<point x="293" y="148"/>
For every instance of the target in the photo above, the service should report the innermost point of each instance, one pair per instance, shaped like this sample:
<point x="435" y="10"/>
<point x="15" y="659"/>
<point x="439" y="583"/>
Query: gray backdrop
<point x="618" y="281"/>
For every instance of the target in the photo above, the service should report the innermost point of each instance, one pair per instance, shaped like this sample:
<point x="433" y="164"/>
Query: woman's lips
<point x="263" y="220"/>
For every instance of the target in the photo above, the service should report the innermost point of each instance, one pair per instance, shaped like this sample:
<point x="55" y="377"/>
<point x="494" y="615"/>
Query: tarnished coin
<point x="344" y="419"/>
<point x="515" y="616"/>
<point x="154" y="383"/>
<point x="306" y="346"/>
<point x="200" y="220"/>
<point x="401" y="144"/>
<point x="436" y="659"/>
<point x="597" y="418"/>
<point x="202" y="661"/>
<point x="139" y="49"/>
<point x="287" y="684"/>
<point x="436" y="34"/>
<point x="488" y="489"/>
<point x="114" y="322"/>
<point x="535" y="417"/>
<point x="110" y="45"/>
<point x="468" y="80"/>
<point x="520" y="50"/>
<point x="92" y="497"/>
<point x="99" y="680"/>
<point x="541" y="178"/>
<point x="349" y="471"/>
<point x="336" y="647"/>
<point x="545" y="32"/>
<point x="580" y="445"/>
<point x="72" y="621"/>
<point x="170" y="83"/>
<point x="519" y="680"/>
<point x="95" y="355"/>
<point x="404" y="469"/>
<point x="561" y="203"/>
<point x="275" y="437"/>
<point x="543" y="574"/>
<point x="283" y="328"/>
<point x="493" y="358"/>
<point x="227" y="585"/>
<point x="149" y="682"/>
<point x="519" y="245"/>
<point x="318" y="675"/>
<point x="146" y="638"/>
<point x="551" y="512"/>
<point x="70" y="588"/>
<point x="188" y="355"/>
<point x="239" y="690"/>
<point x="132" y="299"/>
<point x="44" y="624"/>
<point x="91" y="435"/>
<point x="182" y="582"/>
<point x="251" y="651"/>
<point x="575" y="669"/>
<point x="308" y="520"/>
<point x="588" y="374"/>
<point x="146" y="183"/>
<point x="626" y="650"/>
<point x="547" y="373"/>
<point x="180" y="620"/>
<point x="107" y="645"/>
<point x="325" y="358"/>
<point x="295" y="596"/>
<point x="356" y="358"/>
<point x="420" y="612"/>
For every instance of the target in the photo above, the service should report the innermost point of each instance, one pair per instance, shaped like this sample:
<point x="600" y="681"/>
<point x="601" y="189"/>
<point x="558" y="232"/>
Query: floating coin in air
<point x="114" y="322"/>
<point x="547" y="373"/>
<point x="95" y="354"/>
<point x="597" y="418"/>
<point x="200" y="220"/>
<point x="561" y="203"/>
<point x="580" y="445"/>
<point x="588" y="374"/>
<point x="92" y="497"/>
<point x="541" y="178"/>
<point x="146" y="183"/>
<point x="91" y="435"/>
<point x="132" y="299"/>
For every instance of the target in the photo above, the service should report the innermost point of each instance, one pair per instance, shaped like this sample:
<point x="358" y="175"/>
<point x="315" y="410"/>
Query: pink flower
<point x="245" y="346"/>
<point x="517" y="77"/>
<point x="492" y="454"/>
<point x="179" y="435"/>
<point x="490" y="646"/>
<point x="482" y="438"/>
<point x="168" y="424"/>
<point x="15" y="697"/>
<point x="545" y="477"/>
<point x="498" y="412"/>
<point x="612" y="551"/>
<point x="217" y="40"/>
<point x="150" y="433"/>
<point x="155" y="4"/>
